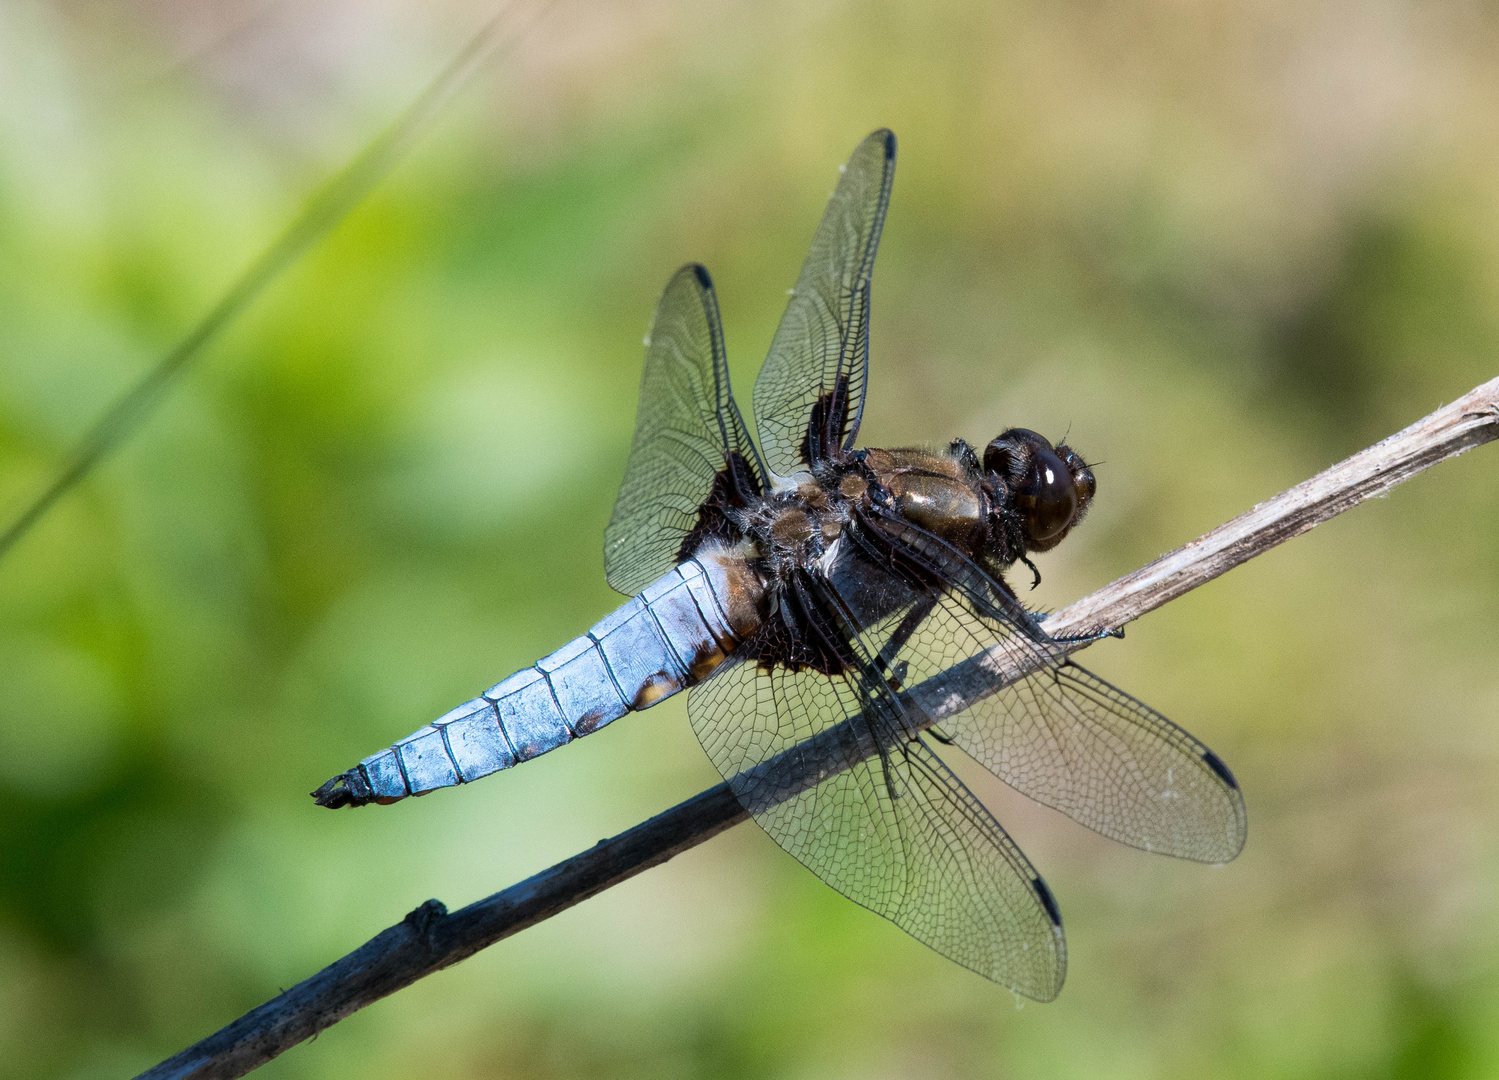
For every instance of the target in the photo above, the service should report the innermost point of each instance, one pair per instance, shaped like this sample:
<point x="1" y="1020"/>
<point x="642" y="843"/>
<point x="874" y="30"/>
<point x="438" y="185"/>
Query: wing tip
<point x="889" y="139"/>
<point x="1216" y="763"/>
<point x="1048" y="901"/>
<point x="700" y="272"/>
<point x="1042" y="995"/>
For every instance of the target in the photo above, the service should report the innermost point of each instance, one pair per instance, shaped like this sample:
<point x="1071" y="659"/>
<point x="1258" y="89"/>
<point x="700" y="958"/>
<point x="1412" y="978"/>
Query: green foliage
<point x="386" y="489"/>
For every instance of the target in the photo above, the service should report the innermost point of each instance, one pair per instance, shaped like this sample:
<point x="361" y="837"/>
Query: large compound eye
<point x="1006" y="455"/>
<point x="1082" y="476"/>
<point x="1046" y="499"/>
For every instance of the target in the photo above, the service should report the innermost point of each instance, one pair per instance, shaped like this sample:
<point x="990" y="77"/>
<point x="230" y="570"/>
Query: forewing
<point x="1061" y="735"/>
<point x="810" y="392"/>
<point x="692" y="454"/>
<point x="902" y="837"/>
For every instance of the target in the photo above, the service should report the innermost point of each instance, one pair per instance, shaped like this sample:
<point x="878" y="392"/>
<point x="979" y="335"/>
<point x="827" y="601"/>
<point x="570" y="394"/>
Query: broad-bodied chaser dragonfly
<point x="808" y="591"/>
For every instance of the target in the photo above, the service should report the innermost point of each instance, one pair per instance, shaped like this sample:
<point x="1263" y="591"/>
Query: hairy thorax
<point x="796" y="526"/>
<point x="936" y="491"/>
<point x="801" y="523"/>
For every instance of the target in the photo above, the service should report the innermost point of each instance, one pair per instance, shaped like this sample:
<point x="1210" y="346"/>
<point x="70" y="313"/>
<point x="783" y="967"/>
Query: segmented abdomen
<point x="674" y="634"/>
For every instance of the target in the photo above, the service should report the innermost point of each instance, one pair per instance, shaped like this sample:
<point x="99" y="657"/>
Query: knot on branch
<point x="424" y="920"/>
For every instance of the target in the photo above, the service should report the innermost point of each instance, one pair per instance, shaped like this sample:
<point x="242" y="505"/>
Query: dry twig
<point x="431" y="938"/>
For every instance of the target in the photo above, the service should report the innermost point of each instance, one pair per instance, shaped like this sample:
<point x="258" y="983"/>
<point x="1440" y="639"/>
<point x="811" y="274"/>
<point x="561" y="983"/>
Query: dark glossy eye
<point x="1007" y="454"/>
<point x="1082" y="476"/>
<point x="1046" y="498"/>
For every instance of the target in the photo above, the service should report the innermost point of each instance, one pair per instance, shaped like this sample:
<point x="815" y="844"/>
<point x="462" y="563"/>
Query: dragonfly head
<point x="1049" y="487"/>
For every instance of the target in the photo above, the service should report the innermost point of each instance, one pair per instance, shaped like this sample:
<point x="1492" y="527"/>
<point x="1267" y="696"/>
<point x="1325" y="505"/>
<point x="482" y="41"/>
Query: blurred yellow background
<point x="1223" y="244"/>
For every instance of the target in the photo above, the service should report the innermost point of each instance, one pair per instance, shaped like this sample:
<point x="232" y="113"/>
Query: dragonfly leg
<point x="889" y="777"/>
<point x="1088" y="639"/>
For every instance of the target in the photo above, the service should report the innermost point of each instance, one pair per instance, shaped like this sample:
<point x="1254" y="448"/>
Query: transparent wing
<point x="896" y="832"/>
<point x="692" y="453"/>
<point x="810" y="392"/>
<point x="1062" y="735"/>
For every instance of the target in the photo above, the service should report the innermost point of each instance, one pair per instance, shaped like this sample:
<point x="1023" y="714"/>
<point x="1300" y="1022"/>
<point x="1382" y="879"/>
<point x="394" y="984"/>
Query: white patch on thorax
<point x="783" y="485"/>
<point x="830" y="556"/>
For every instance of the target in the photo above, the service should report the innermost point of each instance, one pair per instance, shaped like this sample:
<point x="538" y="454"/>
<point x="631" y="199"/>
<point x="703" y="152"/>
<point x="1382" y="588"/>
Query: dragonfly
<point x="836" y="611"/>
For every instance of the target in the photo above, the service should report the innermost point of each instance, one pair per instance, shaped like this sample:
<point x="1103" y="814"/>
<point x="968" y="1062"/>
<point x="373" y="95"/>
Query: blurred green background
<point x="1227" y="244"/>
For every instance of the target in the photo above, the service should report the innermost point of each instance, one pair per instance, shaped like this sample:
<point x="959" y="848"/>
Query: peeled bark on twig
<point x="430" y="938"/>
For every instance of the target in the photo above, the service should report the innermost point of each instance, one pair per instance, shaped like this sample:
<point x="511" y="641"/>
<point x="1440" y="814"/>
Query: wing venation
<point x="692" y="456"/>
<point x="1060" y="735"/>
<point x="809" y="396"/>
<point x="830" y="774"/>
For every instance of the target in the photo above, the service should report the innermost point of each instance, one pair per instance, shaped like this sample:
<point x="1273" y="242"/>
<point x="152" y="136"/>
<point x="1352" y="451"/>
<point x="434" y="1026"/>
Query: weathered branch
<point x="1470" y="421"/>
<point x="430" y="938"/>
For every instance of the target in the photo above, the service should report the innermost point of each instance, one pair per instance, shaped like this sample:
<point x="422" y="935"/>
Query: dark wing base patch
<point x="732" y="488"/>
<point x="827" y="424"/>
<point x="692" y="455"/>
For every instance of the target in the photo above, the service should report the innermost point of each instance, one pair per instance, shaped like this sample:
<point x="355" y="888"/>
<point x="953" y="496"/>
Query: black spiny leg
<point x="960" y="449"/>
<point x="1089" y="639"/>
<point x="902" y="633"/>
